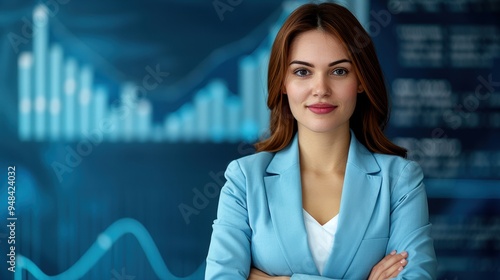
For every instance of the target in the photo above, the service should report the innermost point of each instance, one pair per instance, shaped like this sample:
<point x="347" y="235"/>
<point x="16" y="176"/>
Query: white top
<point x="320" y="239"/>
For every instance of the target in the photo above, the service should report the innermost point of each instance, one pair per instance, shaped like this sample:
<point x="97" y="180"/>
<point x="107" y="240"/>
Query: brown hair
<point x="372" y="107"/>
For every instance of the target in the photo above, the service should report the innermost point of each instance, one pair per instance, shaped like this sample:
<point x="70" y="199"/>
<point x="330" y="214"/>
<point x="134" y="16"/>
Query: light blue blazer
<point x="260" y="221"/>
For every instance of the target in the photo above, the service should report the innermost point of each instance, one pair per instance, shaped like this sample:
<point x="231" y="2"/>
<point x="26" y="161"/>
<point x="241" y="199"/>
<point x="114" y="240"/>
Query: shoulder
<point x="398" y="166"/>
<point x="391" y="167"/>
<point x="401" y="175"/>
<point x="244" y="172"/>
<point x="251" y="165"/>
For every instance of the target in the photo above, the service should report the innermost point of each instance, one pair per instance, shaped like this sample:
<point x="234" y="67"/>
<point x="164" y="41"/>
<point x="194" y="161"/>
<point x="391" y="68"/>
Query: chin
<point x="324" y="128"/>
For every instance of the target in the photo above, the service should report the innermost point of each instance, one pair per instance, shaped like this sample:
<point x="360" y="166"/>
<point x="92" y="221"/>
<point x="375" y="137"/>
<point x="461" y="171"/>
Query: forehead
<point x="317" y="45"/>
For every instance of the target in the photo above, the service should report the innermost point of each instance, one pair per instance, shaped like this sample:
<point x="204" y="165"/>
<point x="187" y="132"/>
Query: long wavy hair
<point x="372" y="107"/>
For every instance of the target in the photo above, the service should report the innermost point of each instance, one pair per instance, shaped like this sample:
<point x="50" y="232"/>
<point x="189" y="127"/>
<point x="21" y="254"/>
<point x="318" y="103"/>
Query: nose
<point x="321" y="87"/>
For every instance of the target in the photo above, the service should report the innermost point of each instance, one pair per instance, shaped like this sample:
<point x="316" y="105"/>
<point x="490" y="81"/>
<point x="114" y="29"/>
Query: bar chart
<point x="60" y="101"/>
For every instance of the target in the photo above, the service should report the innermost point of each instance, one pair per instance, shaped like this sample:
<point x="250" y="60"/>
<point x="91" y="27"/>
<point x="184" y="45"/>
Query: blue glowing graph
<point x="104" y="243"/>
<point x="58" y="101"/>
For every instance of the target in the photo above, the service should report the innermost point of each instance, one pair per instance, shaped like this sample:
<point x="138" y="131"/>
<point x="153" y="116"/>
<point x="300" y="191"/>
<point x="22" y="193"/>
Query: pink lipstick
<point x="321" y="108"/>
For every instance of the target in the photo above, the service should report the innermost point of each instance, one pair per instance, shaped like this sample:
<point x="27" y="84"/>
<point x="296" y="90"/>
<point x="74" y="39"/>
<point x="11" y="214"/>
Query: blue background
<point x="151" y="182"/>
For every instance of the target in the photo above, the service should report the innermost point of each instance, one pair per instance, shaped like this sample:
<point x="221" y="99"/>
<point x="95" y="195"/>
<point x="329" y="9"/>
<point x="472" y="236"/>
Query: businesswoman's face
<point x="321" y="83"/>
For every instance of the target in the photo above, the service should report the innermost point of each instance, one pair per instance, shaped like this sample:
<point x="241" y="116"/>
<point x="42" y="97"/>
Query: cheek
<point x="348" y="92"/>
<point x="296" y="91"/>
<point x="351" y="98"/>
<point x="295" y="86"/>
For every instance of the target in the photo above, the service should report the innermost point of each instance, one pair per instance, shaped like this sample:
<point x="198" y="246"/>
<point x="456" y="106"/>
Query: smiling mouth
<point x="321" y="108"/>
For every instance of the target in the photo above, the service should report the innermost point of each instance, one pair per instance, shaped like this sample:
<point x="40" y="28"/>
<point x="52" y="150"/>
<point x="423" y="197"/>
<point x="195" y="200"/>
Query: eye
<point x="301" y="72"/>
<point x="340" y="72"/>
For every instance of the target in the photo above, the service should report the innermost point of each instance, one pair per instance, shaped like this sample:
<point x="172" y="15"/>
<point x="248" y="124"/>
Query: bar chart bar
<point x="40" y="37"/>
<point x="361" y="10"/>
<point x="84" y="98"/>
<point x="69" y="103"/>
<point x="218" y="92"/>
<point x="114" y="132"/>
<point x="233" y="118"/>
<point x="56" y="56"/>
<point x="263" y="112"/>
<point x="98" y="112"/>
<point x="202" y="107"/>
<point x="172" y="127"/>
<point x="127" y="109"/>
<point x="187" y="123"/>
<point x="143" y="116"/>
<point x="157" y="133"/>
<point x="248" y="76"/>
<point x="25" y="64"/>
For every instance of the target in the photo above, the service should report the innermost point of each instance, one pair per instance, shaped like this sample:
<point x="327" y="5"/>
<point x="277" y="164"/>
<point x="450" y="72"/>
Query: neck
<point x="324" y="152"/>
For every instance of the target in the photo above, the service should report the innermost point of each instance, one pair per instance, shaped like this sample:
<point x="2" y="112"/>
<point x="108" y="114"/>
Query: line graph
<point x="60" y="101"/>
<point x="103" y="244"/>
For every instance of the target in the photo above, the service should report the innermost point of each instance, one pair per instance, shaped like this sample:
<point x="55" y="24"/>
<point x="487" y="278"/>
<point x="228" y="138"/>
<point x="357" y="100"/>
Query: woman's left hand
<point x="256" y="274"/>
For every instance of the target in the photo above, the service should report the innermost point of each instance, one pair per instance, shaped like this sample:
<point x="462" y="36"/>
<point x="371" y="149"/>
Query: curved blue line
<point x="214" y="60"/>
<point x="103" y="243"/>
<point x="198" y="74"/>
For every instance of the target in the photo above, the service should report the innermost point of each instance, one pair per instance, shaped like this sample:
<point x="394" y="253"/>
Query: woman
<point x="328" y="195"/>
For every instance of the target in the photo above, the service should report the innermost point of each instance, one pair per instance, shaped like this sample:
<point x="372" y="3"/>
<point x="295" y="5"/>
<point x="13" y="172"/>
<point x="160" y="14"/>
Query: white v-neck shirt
<point x="320" y="239"/>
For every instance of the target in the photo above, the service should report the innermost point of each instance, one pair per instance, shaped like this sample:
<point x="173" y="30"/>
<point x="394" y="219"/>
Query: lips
<point x="321" y="108"/>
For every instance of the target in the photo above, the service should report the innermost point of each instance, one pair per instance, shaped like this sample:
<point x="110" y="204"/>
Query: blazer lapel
<point x="359" y="196"/>
<point x="284" y="193"/>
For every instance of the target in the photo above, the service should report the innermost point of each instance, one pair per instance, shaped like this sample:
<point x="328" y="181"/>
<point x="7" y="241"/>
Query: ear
<point x="360" y="88"/>
<point x="283" y="90"/>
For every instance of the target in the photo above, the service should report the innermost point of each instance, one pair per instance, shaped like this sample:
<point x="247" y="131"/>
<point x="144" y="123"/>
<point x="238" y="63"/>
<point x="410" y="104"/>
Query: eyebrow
<point x="311" y="65"/>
